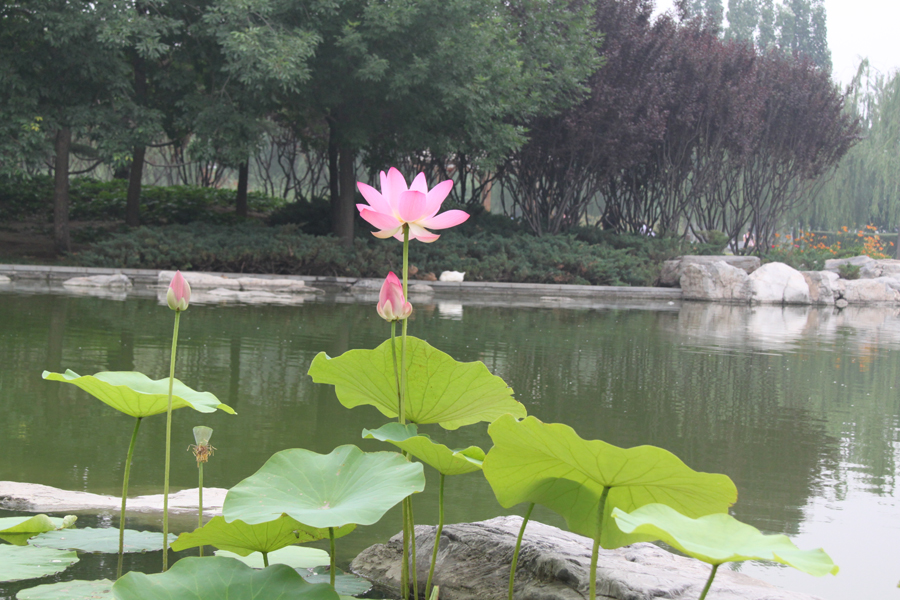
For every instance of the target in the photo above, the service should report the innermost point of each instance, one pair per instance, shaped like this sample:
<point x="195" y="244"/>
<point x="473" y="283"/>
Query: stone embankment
<point x="741" y="279"/>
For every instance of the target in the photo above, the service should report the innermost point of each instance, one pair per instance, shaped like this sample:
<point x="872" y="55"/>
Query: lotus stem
<point x="412" y="543"/>
<point x="404" y="555"/>
<point x="712" y="575"/>
<point x="200" y="501"/>
<point x="137" y="424"/>
<point x="396" y="367"/>
<point x="437" y="537"/>
<point x="331" y="542"/>
<point x="165" y="564"/>
<point x="265" y="557"/>
<point x="601" y="506"/>
<point x="515" y="558"/>
<point x="405" y="324"/>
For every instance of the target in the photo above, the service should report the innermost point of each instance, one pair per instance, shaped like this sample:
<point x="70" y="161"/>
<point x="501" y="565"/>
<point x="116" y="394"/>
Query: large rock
<point x="823" y="286"/>
<point x="870" y="291"/>
<point x="200" y="281"/>
<point x="474" y="561"/>
<point x="670" y="275"/>
<point x="863" y="262"/>
<point x="117" y="281"/>
<point x="777" y="283"/>
<point x="714" y="281"/>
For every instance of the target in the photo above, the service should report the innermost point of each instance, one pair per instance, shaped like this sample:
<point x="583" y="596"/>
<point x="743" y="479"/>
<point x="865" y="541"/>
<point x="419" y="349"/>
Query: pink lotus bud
<point x="179" y="295"/>
<point x="392" y="306"/>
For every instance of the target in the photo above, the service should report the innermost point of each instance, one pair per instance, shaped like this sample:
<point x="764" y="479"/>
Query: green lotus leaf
<point x="325" y="490"/>
<point x="137" y="395"/>
<point x="439" y="389"/>
<point x="551" y="465"/>
<point x="215" y="578"/>
<point x="69" y="590"/>
<point x="17" y="530"/>
<point x="28" y="562"/>
<point x="243" y="539"/>
<point x="345" y="584"/>
<point x="720" y="538"/>
<point x="438" y="456"/>
<point x="296" y="557"/>
<point x="92" y="539"/>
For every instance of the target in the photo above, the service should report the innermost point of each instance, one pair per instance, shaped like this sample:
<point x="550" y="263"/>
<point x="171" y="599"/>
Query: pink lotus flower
<point x="178" y="297"/>
<point x="392" y="306"/>
<point x="416" y="206"/>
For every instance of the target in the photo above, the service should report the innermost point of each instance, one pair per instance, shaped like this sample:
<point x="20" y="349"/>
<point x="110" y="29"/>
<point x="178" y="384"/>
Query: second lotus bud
<point x="392" y="305"/>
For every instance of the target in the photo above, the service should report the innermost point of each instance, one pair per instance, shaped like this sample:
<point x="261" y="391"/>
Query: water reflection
<point x="797" y="405"/>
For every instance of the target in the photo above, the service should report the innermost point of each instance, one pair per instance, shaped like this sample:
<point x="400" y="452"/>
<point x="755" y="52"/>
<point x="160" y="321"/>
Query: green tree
<point x="743" y="19"/>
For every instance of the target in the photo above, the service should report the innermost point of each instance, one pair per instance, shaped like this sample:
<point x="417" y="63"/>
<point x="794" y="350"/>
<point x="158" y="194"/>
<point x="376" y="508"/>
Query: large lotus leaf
<point x="720" y="538"/>
<point x="17" y="530"/>
<point x="296" y="557"/>
<point x="137" y="395"/>
<point x="325" y="490"/>
<point x="216" y="578"/>
<point x="91" y="539"/>
<point x="28" y="562"/>
<point x="439" y="456"/>
<point x="243" y="539"/>
<point x="69" y="590"/>
<point x="550" y="464"/>
<point x="345" y="584"/>
<point x="439" y="389"/>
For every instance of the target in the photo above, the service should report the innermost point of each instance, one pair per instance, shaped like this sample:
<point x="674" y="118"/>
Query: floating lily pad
<point x="438" y="456"/>
<point x="243" y="539"/>
<point x="345" y="584"/>
<point x="69" y="590"/>
<point x="28" y="562"/>
<point x="720" y="538"/>
<point x="325" y="490"/>
<point x="215" y="578"/>
<point x="91" y="539"/>
<point x="17" y="530"/>
<point x="439" y="389"/>
<point x="296" y="557"/>
<point x="550" y="464"/>
<point x="137" y="395"/>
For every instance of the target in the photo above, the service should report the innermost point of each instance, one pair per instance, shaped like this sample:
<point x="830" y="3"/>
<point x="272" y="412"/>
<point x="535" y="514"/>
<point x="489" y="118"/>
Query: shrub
<point x="848" y="271"/>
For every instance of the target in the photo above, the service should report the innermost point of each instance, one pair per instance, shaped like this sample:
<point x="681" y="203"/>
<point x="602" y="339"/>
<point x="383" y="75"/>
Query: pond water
<point x="798" y="406"/>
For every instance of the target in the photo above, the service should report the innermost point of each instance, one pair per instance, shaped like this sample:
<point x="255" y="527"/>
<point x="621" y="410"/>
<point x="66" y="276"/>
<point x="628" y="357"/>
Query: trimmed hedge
<point x="483" y="256"/>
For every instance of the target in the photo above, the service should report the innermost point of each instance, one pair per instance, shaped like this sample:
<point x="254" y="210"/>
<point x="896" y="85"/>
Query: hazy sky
<point x="856" y="29"/>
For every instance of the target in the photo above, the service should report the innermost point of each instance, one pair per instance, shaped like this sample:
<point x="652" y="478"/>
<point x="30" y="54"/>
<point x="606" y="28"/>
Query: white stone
<point x="290" y="286"/>
<point x="117" y="281"/>
<point x="870" y="291"/>
<point x="200" y="280"/>
<point x="33" y="497"/>
<point x="420" y="288"/>
<point x="5" y="279"/>
<point x="862" y="261"/>
<point x="823" y="286"/>
<point x="777" y="283"/>
<point x="670" y="274"/>
<point x="474" y="558"/>
<point x="452" y="276"/>
<point x="714" y="281"/>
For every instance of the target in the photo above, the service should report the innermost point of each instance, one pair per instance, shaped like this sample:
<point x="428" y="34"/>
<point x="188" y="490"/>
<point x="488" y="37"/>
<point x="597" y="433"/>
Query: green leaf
<point x="69" y="590"/>
<point x="91" y="539"/>
<point x="720" y="538"/>
<point x="296" y="557"/>
<point x="438" y="456"/>
<point x="551" y="465"/>
<point x="325" y="490"/>
<point x="242" y="539"/>
<point x="17" y="530"/>
<point x="439" y="389"/>
<point x="137" y="395"/>
<point x="215" y="578"/>
<point x="28" y="562"/>
<point x="345" y="584"/>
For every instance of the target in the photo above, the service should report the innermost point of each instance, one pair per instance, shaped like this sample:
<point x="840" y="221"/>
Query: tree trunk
<point x="342" y="210"/>
<point x="333" y="168"/>
<point x="241" y="199"/>
<point x="133" y="199"/>
<point x="61" y="191"/>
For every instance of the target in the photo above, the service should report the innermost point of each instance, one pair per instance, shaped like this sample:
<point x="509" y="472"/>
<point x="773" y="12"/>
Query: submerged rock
<point x="474" y="561"/>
